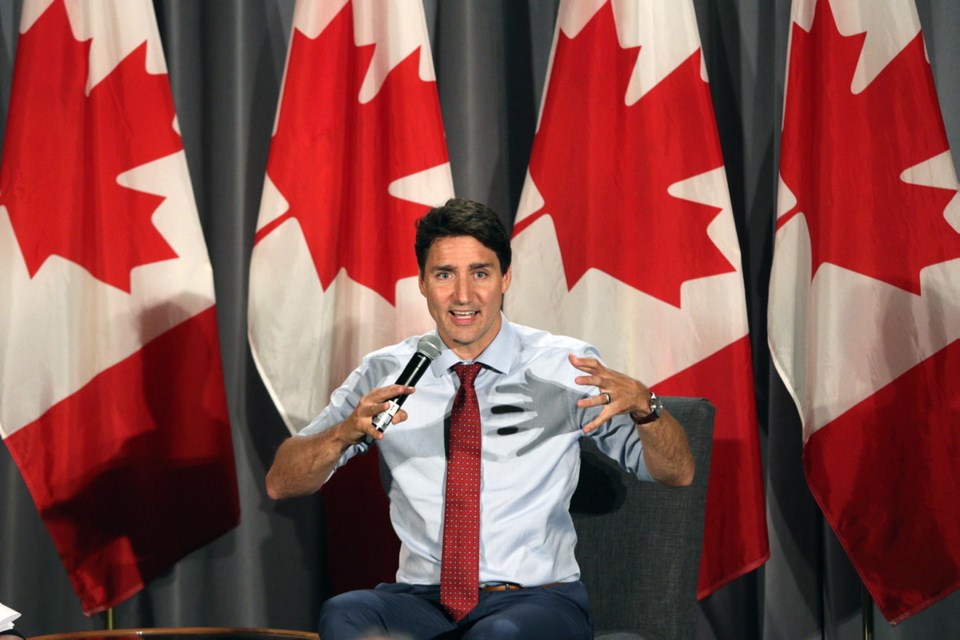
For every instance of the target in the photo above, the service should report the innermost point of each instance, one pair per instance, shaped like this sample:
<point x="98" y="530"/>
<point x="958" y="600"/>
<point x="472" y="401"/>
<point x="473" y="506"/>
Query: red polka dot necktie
<point x="460" y="564"/>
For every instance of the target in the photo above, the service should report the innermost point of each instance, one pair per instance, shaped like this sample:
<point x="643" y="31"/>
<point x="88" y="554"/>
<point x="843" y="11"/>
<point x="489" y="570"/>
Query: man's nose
<point x="462" y="290"/>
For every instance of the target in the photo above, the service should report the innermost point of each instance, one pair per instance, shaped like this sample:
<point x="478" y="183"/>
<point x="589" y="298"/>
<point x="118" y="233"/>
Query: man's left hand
<point x="619" y="393"/>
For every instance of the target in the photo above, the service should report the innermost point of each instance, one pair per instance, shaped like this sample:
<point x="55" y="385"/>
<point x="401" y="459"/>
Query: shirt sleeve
<point x="342" y="403"/>
<point x="619" y="440"/>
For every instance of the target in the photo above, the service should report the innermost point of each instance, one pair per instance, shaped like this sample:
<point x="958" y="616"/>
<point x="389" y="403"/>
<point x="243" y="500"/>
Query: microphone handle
<point x="409" y="377"/>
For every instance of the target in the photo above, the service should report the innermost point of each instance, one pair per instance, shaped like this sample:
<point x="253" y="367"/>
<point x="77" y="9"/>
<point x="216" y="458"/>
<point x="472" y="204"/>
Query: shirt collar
<point x="499" y="354"/>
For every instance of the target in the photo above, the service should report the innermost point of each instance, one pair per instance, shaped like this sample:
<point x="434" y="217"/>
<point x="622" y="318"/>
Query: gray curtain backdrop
<point x="226" y="60"/>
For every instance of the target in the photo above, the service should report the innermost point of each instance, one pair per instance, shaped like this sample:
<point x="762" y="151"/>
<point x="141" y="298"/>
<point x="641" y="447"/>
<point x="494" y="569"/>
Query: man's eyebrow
<point x="472" y="266"/>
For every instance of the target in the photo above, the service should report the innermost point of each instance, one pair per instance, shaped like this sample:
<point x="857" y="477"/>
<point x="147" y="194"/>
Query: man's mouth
<point x="463" y="315"/>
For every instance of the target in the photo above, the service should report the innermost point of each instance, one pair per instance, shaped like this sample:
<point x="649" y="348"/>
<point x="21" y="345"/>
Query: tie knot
<point x="467" y="372"/>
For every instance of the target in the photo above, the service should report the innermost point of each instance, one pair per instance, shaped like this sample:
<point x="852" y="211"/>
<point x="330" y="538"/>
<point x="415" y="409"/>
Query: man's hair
<point x="459" y="217"/>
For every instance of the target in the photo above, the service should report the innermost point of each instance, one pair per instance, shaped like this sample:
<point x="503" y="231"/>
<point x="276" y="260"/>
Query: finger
<point x="363" y="426"/>
<point x="598" y="400"/>
<point x="607" y="410"/>
<point x="386" y="393"/>
<point x="392" y="391"/>
<point x="366" y="411"/>
<point x="596" y="422"/>
<point x="591" y="381"/>
<point x="590" y="365"/>
<point x="376" y="409"/>
<point x="366" y="415"/>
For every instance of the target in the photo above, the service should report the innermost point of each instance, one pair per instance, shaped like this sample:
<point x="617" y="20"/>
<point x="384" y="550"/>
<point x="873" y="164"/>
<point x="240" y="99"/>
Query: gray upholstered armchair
<point x="639" y="542"/>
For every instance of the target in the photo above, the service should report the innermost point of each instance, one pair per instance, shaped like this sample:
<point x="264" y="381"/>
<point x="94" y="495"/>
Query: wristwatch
<point x="656" y="408"/>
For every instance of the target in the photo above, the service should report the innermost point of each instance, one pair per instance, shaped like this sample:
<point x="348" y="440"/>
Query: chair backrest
<point x="639" y="542"/>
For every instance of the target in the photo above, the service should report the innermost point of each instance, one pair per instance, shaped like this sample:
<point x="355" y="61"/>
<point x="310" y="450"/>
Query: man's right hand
<point x="360" y="422"/>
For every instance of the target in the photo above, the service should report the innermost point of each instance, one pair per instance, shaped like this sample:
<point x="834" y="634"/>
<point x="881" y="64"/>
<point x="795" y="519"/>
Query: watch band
<point x="656" y="408"/>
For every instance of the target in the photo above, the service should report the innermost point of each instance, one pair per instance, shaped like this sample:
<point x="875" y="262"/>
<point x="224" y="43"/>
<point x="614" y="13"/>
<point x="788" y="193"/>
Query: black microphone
<point x="428" y="348"/>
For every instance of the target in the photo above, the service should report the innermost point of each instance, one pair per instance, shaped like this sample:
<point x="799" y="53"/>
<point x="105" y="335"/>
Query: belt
<point x="510" y="586"/>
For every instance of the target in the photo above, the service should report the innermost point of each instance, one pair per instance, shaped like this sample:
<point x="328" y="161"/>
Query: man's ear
<point x="507" y="277"/>
<point x="422" y="285"/>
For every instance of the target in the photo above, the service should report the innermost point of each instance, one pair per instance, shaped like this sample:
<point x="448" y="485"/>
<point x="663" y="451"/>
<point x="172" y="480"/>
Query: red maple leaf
<point x="604" y="168"/>
<point x="843" y="154"/>
<point x="64" y="151"/>
<point x="333" y="158"/>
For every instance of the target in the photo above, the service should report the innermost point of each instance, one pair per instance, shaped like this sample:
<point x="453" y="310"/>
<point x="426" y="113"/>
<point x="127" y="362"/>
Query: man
<point x="528" y="396"/>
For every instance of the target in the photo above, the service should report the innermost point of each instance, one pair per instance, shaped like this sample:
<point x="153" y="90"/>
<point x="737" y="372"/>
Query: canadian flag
<point x="111" y="388"/>
<point x="358" y="155"/>
<point x="625" y="238"/>
<point x="864" y="315"/>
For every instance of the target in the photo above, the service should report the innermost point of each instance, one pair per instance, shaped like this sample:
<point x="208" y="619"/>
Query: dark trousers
<point x="413" y="612"/>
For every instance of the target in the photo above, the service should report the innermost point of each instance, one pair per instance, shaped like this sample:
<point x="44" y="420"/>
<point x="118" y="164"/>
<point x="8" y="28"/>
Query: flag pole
<point x="108" y="618"/>
<point x="866" y="612"/>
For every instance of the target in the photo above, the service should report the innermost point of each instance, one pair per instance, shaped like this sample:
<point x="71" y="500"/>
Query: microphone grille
<point x="429" y="345"/>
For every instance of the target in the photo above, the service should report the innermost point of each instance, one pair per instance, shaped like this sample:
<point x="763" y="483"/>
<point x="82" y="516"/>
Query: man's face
<point x="464" y="288"/>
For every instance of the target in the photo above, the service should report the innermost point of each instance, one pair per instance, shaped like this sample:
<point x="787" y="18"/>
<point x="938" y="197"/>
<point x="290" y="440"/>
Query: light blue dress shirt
<point x="531" y="427"/>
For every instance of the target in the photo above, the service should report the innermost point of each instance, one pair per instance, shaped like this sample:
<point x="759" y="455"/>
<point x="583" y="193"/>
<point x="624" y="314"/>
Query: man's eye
<point x="443" y="275"/>
<point x="481" y="275"/>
